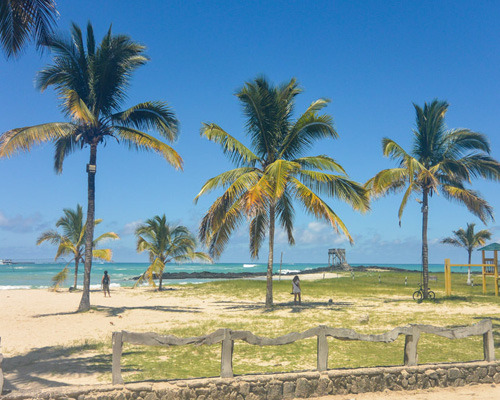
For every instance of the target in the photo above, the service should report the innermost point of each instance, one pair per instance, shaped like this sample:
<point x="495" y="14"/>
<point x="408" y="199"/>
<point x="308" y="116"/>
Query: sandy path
<point x="478" y="392"/>
<point x="36" y="324"/>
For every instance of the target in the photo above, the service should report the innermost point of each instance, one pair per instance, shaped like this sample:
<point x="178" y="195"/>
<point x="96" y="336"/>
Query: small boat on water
<point x="6" y="261"/>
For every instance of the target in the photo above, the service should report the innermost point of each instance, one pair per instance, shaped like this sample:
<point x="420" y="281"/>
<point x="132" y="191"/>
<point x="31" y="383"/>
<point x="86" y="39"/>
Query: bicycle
<point x="418" y="295"/>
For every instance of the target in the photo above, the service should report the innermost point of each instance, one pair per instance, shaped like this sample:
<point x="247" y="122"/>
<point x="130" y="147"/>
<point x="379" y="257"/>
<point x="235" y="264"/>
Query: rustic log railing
<point x="228" y="336"/>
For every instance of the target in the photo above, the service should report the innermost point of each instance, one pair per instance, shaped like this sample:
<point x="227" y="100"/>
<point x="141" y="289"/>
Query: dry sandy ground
<point x="478" y="392"/>
<point x="36" y="324"/>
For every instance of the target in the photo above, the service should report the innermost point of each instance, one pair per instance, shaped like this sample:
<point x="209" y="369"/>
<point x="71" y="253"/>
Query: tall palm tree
<point x="91" y="82"/>
<point x="165" y="243"/>
<point x="72" y="240"/>
<point x="275" y="172"/>
<point x="441" y="160"/>
<point x="25" y="20"/>
<point x="469" y="240"/>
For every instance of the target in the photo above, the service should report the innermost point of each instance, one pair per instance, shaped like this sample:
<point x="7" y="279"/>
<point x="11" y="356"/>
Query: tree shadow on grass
<point x="116" y="311"/>
<point x="336" y="305"/>
<point x="54" y="366"/>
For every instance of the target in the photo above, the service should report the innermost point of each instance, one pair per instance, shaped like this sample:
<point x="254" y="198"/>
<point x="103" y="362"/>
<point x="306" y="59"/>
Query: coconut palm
<point x="441" y="161"/>
<point x="91" y="82"/>
<point x="25" y="20"/>
<point x="275" y="172"/>
<point x="72" y="240"/>
<point x="165" y="243"/>
<point x="469" y="240"/>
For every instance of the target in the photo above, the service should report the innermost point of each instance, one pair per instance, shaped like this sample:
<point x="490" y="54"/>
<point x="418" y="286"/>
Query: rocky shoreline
<point x="240" y="275"/>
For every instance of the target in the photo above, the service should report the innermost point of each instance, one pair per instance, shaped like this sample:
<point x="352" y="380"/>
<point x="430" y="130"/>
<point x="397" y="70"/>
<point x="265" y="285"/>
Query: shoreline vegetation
<point x="240" y="275"/>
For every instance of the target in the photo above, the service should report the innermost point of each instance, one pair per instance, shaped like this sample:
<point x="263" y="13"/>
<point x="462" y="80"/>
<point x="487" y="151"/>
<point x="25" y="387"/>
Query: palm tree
<point x="469" y="240"/>
<point x="441" y="161"/>
<point x="72" y="240"/>
<point x="165" y="243"/>
<point x="25" y="20"/>
<point x="275" y="172"/>
<point x="91" y="82"/>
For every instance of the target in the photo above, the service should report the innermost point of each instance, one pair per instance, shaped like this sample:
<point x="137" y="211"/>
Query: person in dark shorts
<point x="105" y="284"/>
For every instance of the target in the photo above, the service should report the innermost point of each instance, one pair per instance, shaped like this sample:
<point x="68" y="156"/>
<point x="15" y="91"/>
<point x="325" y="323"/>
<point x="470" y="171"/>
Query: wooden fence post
<point x="489" y="344"/>
<point x="322" y="361"/>
<point x="411" y="342"/>
<point x="226" y="360"/>
<point x="116" y="368"/>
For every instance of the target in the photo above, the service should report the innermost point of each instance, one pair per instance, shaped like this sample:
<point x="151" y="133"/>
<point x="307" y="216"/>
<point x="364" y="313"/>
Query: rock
<point x="303" y="388"/>
<point x="288" y="390"/>
<point x="482" y="372"/>
<point x="496" y="377"/>
<point x="151" y="396"/>
<point x="324" y="384"/>
<point x="431" y="374"/>
<point x="454" y="373"/>
<point x="491" y="370"/>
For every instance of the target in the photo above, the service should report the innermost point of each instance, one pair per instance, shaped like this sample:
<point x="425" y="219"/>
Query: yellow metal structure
<point x="489" y="268"/>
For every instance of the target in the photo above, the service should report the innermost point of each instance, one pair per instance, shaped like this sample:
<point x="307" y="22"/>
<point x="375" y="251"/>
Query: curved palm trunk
<point x="77" y="261"/>
<point x="469" y="281"/>
<point x="89" y="230"/>
<point x="425" y="249"/>
<point x="161" y="278"/>
<point x="269" y="277"/>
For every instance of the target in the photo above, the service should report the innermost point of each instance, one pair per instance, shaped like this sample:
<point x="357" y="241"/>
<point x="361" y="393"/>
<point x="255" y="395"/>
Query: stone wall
<point x="285" y="386"/>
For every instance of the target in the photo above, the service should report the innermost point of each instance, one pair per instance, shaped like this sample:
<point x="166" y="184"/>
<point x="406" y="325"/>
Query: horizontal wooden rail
<point x="227" y="337"/>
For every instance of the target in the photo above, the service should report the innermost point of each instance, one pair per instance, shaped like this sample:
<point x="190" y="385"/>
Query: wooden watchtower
<point x="337" y="258"/>
<point x="493" y="261"/>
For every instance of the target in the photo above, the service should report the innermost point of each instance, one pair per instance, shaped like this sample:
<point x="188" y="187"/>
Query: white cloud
<point x="20" y="224"/>
<point x="130" y="227"/>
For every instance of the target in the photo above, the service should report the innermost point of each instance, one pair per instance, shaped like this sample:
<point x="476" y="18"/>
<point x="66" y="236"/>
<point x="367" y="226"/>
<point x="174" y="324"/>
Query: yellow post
<point x="496" y="272"/>
<point x="484" y="274"/>
<point x="447" y="277"/>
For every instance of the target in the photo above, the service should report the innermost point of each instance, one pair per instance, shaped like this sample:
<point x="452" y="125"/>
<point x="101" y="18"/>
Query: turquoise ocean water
<point x="35" y="276"/>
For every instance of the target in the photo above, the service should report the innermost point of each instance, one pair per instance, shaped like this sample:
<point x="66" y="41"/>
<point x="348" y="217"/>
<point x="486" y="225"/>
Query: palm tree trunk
<point x="89" y="229"/>
<point x="161" y="280"/>
<point x="425" y="249"/>
<point x="469" y="269"/>
<point x="77" y="260"/>
<point x="269" y="277"/>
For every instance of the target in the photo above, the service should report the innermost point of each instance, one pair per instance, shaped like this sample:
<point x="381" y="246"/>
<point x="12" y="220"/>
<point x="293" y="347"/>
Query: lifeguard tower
<point x="337" y="258"/>
<point x="489" y="267"/>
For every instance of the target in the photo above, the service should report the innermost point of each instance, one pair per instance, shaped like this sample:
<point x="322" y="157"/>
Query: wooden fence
<point x="228" y="336"/>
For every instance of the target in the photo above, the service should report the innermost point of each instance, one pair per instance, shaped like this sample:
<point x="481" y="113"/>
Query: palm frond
<point x="59" y="278"/>
<point x="316" y="206"/>
<point x="21" y="21"/>
<point x="471" y="199"/>
<point x="142" y="141"/>
<point x="22" y="139"/>
<point x="321" y="162"/>
<point x="336" y="186"/>
<point x="237" y="151"/>
<point x="286" y="214"/>
<point x="309" y="128"/>
<point x="258" y="228"/>
<point x="104" y="236"/>
<point x="278" y="174"/>
<point x="241" y="178"/>
<point x="156" y="115"/>
<point x="102" y="254"/>
<point x="387" y="181"/>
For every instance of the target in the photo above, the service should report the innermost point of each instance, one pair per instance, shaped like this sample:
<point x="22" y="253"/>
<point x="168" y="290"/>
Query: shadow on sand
<point x="34" y="369"/>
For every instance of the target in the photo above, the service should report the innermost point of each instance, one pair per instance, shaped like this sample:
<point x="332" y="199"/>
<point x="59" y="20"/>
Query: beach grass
<point x="364" y="304"/>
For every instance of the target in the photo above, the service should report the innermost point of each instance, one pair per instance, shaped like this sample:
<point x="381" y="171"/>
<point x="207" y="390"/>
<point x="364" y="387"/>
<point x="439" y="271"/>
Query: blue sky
<point x="372" y="59"/>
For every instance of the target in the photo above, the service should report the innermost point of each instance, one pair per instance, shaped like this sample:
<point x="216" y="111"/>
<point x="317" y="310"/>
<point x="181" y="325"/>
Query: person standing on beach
<point x="296" y="289"/>
<point x="105" y="284"/>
